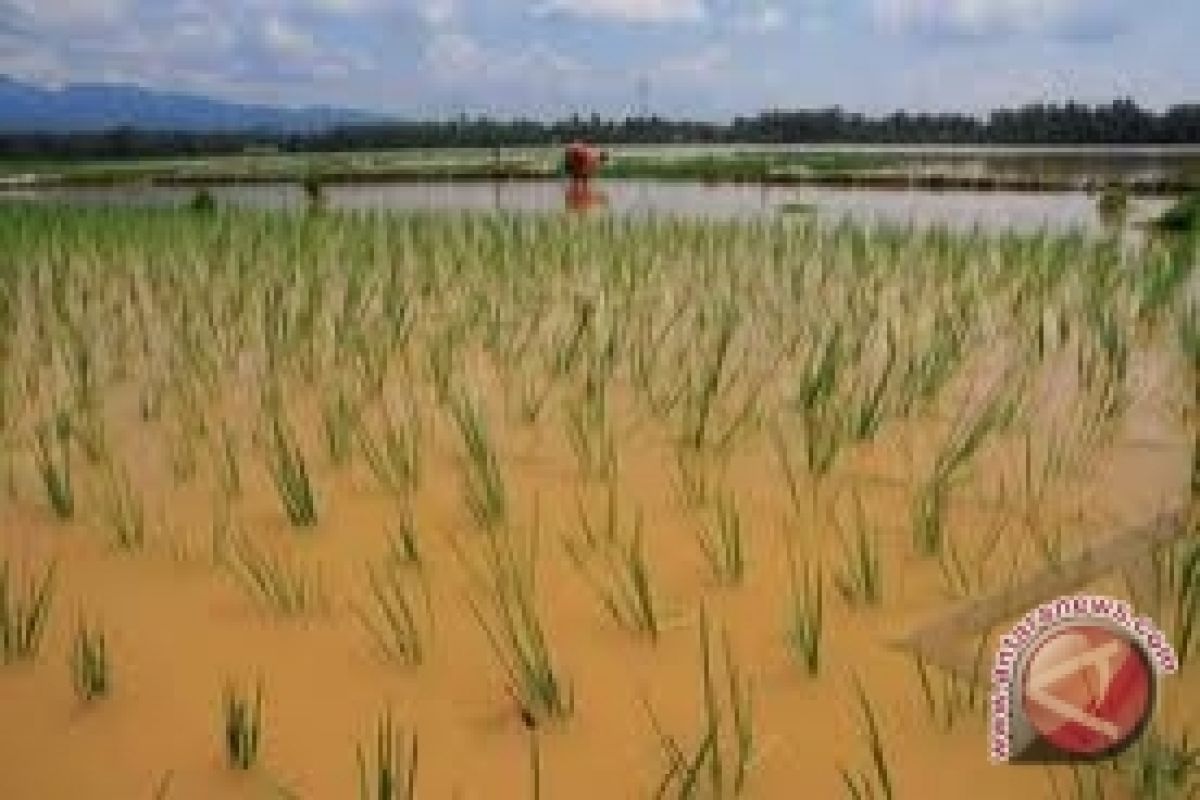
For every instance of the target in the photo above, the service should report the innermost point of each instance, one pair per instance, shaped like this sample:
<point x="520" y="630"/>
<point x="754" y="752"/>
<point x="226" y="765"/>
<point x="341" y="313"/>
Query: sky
<point x="547" y="58"/>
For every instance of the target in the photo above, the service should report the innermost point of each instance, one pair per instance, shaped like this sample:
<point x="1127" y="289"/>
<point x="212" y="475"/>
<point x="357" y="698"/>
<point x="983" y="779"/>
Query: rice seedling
<point x="806" y="615"/>
<point x="393" y="453"/>
<point x="388" y="770"/>
<point x="621" y="580"/>
<point x="1162" y="768"/>
<point x="89" y="663"/>
<point x="1185" y="615"/>
<point x="399" y="617"/>
<point x="965" y="438"/>
<point x="947" y="700"/>
<point x="24" y="613"/>
<point x="289" y="473"/>
<point x="723" y="544"/>
<point x="1087" y="782"/>
<point x="124" y="511"/>
<point x="506" y="611"/>
<point x="337" y="425"/>
<point x="53" y="456"/>
<point x="859" y="578"/>
<point x="404" y="543"/>
<point x="275" y="582"/>
<point x="875" y="781"/>
<point x="483" y="480"/>
<point x="728" y="747"/>
<point x="242" y="725"/>
<point x="703" y="395"/>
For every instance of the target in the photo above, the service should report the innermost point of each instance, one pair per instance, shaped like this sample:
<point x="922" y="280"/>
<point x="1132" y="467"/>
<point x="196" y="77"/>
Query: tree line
<point x="1120" y="122"/>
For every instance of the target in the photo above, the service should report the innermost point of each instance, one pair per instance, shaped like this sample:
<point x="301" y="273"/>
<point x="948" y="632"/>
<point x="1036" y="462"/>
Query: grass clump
<point x="24" y="614"/>
<point x="875" y="782"/>
<point x="398" y="623"/>
<point x="53" y="457"/>
<point x="483" y="480"/>
<point x="806" y="615"/>
<point x="243" y="723"/>
<point x="276" y="583"/>
<point x="289" y="473"/>
<point x="723" y="544"/>
<point x="89" y="663"/>
<point x="388" y="769"/>
<point x="727" y="747"/>
<point x="621" y="578"/>
<point x="1183" y="217"/>
<point x="504" y="605"/>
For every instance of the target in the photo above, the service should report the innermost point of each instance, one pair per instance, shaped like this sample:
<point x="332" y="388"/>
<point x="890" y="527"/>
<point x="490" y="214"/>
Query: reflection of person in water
<point x="582" y="196"/>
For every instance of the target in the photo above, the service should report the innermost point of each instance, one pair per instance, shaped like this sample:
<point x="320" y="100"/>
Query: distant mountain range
<point x="94" y="107"/>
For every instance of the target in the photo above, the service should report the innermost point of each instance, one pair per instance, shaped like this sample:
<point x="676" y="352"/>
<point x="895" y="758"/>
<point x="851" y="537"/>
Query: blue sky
<point x="702" y="58"/>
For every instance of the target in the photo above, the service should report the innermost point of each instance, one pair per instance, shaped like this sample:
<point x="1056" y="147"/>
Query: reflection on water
<point x="962" y="210"/>
<point x="584" y="196"/>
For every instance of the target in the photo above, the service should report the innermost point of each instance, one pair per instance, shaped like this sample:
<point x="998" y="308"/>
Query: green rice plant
<point x="963" y="576"/>
<point x="398" y="617"/>
<point x="703" y="395"/>
<point x="805" y="630"/>
<point x="505" y="607"/>
<point x="1162" y="768"/>
<point x="393" y="453"/>
<point x="289" y="474"/>
<point x="875" y="781"/>
<point x="388" y="771"/>
<point x="693" y="478"/>
<point x="967" y="435"/>
<point x="337" y="426"/>
<point x="242" y="725"/>
<point x="948" y="700"/>
<point x="1185" y="616"/>
<point x="483" y="480"/>
<point x="89" y="663"/>
<point x="53" y="457"/>
<point x="535" y="765"/>
<point x="1088" y="782"/>
<point x="868" y="408"/>
<point x="203" y="201"/>
<point x="404" y="543"/>
<point x="226" y="465"/>
<point x="620" y="577"/>
<point x="591" y="439"/>
<point x="24" y="614"/>
<point x="726" y="751"/>
<point x="275" y="583"/>
<point x="723" y="544"/>
<point x="859" y="578"/>
<point x="124" y="510"/>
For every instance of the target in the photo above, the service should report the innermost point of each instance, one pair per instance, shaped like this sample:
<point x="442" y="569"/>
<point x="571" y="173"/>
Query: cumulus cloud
<point x="70" y="12"/>
<point x="991" y="17"/>
<point x="767" y="19"/>
<point x="629" y="10"/>
<point x="285" y="39"/>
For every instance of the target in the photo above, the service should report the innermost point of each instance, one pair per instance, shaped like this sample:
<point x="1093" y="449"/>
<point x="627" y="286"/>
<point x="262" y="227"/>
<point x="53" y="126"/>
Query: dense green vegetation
<point x="1120" y="122"/>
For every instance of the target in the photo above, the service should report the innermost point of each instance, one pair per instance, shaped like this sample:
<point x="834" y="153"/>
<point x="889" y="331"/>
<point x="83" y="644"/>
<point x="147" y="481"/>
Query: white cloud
<point x="451" y="56"/>
<point x="706" y="65"/>
<point x="346" y="7"/>
<point x="767" y="19"/>
<point x="982" y="17"/>
<point x="437" y="13"/>
<point x="284" y="39"/>
<point x="629" y="10"/>
<point x="71" y="12"/>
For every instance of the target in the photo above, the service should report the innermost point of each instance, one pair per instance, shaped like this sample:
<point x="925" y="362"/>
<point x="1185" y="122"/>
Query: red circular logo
<point x="1088" y="690"/>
